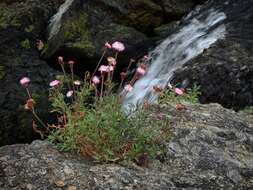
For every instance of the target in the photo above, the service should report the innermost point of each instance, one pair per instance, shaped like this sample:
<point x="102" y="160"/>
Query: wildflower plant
<point x="90" y="119"/>
<point x="180" y="95"/>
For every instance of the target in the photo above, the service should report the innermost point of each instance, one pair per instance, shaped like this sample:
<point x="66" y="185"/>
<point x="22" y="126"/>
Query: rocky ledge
<point x="210" y="148"/>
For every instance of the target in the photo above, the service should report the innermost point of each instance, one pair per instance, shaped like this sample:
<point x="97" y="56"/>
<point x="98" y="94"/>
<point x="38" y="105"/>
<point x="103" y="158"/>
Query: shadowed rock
<point x="225" y="70"/>
<point x="21" y="24"/>
<point x="80" y="28"/>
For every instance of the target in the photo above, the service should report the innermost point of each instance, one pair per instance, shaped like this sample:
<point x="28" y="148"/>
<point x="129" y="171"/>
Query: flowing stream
<point x="196" y="34"/>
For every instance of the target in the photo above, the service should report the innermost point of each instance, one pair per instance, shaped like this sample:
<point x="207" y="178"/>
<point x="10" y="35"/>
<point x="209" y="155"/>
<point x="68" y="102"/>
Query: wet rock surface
<point x="225" y="70"/>
<point x="210" y="148"/>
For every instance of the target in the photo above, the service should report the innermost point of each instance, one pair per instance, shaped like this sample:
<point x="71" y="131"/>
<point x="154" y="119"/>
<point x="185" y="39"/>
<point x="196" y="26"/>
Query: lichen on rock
<point x="8" y="17"/>
<point x="210" y="148"/>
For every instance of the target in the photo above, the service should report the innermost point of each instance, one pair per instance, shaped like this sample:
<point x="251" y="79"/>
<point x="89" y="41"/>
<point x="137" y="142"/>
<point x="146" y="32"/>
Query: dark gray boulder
<point x="225" y="70"/>
<point x="210" y="148"/>
<point x="21" y="24"/>
<point x="85" y="26"/>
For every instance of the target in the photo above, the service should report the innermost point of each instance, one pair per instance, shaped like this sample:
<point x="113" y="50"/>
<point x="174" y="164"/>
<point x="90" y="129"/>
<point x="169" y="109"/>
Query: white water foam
<point x="192" y="39"/>
<point x="56" y="20"/>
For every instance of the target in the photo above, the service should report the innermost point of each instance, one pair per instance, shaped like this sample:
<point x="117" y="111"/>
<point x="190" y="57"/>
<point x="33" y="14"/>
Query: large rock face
<point x="85" y="26"/>
<point x="210" y="148"/>
<point x="225" y="71"/>
<point x="21" y="24"/>
<point x="84" y="29"/>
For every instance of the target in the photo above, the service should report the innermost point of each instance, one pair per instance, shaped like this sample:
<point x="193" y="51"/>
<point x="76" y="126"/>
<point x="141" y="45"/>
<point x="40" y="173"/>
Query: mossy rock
<point x="177" y="8"/>
<point x="143" y="20"/>
<point x="143" y="15"/>
<point x="25" y="44"/>
<point x="77" y="35"/>
<point x="21" y="23"/>
<point x="166" y="29"/>
<point x="8" y="17"/>
<point x="74" y="34"/>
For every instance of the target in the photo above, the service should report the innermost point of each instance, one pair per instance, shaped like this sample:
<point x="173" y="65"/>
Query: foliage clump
<point x="189" y="95"/>
<point x="90" y="118"/>
<point x="102" y="130"/>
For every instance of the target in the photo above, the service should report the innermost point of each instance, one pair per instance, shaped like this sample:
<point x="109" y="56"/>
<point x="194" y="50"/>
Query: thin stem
<point x="129" y="65"/>
<point x="102" y="85"/>
<point x="107" y="83"/>
<point x="96" y="91"/>
<point x="120" y="86"/>
<point x="116" y="56"/>
<point x="72" y="72"/>
<point x="133" y="79"/>
<point x="37" y="117"/>
<point x="72" y="78"/>
<point x="65" y="76"/>
<point x="98" y="64"/>
<point x="28" y="93"/>
<point x="64" y="118"/>
<point x="63" y="70"/>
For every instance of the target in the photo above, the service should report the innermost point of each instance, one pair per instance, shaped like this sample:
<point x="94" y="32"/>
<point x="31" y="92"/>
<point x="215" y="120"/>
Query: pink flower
<point x="54" y="83"/>
<point x="104" y="69"/>
<point x="118" y="46"/>
<point x="95" y="80"/>
<point x="146" y="57"/>
<point x="140" y="71"/>
<point x="24" y="81"/>
<point x="70" y="93"/>
<point x="128" y="88"/>
<point x="111" y="61"/>
<point x="111" y="68"/>
<point x="71" y="62"/>
<point x="60" y="60"/>
<point x="107" y="45"/>
<point x="179" y="91"/>
<point x="77" y="82"/>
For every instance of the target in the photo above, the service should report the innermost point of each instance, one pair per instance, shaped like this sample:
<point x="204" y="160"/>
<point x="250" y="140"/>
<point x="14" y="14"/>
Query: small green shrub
<point x="189" y="96"/>
<point x="90" y="119"/>
<point x="103" y="131"/>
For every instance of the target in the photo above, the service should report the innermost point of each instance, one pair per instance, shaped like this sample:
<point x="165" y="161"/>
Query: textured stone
<point x="210" y="148"/>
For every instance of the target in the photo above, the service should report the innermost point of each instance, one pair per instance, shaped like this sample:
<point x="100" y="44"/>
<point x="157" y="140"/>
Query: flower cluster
<point x="88" y="112"/>
<point x="100" y="81"/>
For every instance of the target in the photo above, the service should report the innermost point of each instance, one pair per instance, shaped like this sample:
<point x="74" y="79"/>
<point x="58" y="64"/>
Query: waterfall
<point x="56" y="20"/>
<point x="197" y="33"/>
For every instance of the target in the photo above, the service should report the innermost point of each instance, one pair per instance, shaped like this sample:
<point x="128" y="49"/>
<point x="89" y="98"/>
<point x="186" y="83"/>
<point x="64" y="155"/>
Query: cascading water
<point x="56" y="20"/>
<point x="197" y="34"/>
